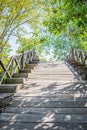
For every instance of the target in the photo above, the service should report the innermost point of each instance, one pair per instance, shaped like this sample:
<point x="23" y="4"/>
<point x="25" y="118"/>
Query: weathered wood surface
<point x="10" y="88"/>
<point x="5" y="98"/>
<point x="49" y="117"/>
<point x="17" y="63"/>
<point x="27" y="110"/>
<point x="78" y="59"/>
<point x="16" y="80"/>
<point x="48" y="102"/>
<point x="42" y="126"/>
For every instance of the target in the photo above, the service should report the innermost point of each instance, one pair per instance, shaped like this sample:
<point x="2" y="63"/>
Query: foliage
<point x="55" y="25"/>
<point x="27" y="43"/>
<point x="13" y="14"/>
<point x="69" y="17"/>
<point x="5" y="55"/>
<point x="7" y="49"/>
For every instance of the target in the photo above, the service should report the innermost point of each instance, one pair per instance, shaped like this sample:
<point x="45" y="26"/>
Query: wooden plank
<point x="5" y="98"/>
<point x="25" y="71"/>
<point x="16" y="80"/>
<point x="5" y="71"/>
<point x="59" y="97"/>
<point x="65" y="84"/>
<point x="55" y="99"/>
<point x="51" y="80"/>
<point x="48" y="104"/>
<point x="42" y="126"/>
<point x="52" y="76"/>
<point x="32" y="118"/>
<point x="57" y="90"/>
<point x="45" y="94"/>
<point x="5" y="95"/>
<point x="52" y="73"/>
<point x="54" y="94"/>
<point x="37" y="91"/>
<point x="35" y="81"/>
<point x="21" y="75"/>
<point x="36" y="88"/>
<point x="45" y="111"/>
<point x="22" y="61"/>
<point x="51" y="69"/>
<point x="10" y="88"/>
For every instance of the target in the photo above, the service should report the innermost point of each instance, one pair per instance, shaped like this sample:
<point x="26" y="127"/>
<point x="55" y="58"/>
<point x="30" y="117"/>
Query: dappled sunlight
<point x="43" y="65"/>
<point x="50" y="117"/>
<point x="67" y="118"/>
<point x="46" y="87"/>
<point x="43" y="126"/>
<point x="85" y="104"/>
<point x="47" y="105"/>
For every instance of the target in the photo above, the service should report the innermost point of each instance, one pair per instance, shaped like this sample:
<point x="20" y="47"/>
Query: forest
<point x="51" y="27"/>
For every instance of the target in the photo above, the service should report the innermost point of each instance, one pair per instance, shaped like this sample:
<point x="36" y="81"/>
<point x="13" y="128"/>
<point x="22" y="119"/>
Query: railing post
<point x="22" y="61"/>
<point x="33" y="57"/>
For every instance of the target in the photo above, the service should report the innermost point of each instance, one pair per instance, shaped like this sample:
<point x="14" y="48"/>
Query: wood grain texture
<point x="51" y="99"/>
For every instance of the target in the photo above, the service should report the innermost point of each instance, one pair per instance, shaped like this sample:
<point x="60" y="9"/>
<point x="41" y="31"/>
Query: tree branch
<point x="2" y="47"/>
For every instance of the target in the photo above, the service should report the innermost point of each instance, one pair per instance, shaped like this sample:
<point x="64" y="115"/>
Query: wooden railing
<point x="16" y="63"/>
<point x="78" y="57"/>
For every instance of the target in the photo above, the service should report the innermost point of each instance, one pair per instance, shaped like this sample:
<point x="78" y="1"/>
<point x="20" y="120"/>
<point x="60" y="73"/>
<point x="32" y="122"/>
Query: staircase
<point x="53" y="97"/>
<point x="17" y="71"/>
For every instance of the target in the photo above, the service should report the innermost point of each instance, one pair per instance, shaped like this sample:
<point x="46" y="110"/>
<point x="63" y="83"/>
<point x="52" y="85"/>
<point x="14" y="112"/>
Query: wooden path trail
<point x="52" y="98"/>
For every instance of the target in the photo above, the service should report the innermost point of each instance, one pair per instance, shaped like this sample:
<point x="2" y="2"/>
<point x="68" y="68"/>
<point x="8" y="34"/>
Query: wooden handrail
<point x="78" y="57"/>
<point x="17" y="63"/>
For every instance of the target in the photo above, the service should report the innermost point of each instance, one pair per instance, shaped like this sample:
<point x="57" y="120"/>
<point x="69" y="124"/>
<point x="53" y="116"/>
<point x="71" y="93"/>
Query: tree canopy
<point x="13" y="14"/>
<point x="56" y="25"/>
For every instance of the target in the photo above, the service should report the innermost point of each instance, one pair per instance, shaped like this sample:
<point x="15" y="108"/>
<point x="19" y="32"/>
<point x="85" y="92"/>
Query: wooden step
<point x="10" y="88"/>
<point x="35" y="76"/>
<point x="21" y="75"/>
<point x="53" y="118"/>
<point x="51" y="73"/>
<point x="5" y="99"/>
<point x="44" y="111"/>
<point x="55" y="98"/>
<point x="49" y="104"/>
<point x="42" y="126"/>
<point x="51" y="100"/>
<point x="16" y="80"/>
<point x="25" y="71"/>
<point x="52" y="79"/>
<point x="30" y="66"/>
<point x="33" y="62"/>
<point x="52" y="70"/>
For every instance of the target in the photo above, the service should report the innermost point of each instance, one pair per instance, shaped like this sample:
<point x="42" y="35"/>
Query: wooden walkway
<point x="53" y="98"/>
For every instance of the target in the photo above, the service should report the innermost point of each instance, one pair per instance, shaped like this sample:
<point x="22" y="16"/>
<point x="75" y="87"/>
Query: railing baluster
<point x="80" y="61"/>
<point x="22" y="61"/>
<point x="17" y="62"/>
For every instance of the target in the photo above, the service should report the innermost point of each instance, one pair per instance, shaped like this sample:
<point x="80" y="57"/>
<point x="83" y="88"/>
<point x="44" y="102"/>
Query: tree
<point x="69" y="17"/>
<point x="4" y="55"/>
<point x="13" y="14"/>
<point x="27" y="44"/>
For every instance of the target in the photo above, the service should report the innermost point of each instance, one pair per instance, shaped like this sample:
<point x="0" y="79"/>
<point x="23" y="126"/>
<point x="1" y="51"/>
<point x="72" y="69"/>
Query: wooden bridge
<point x="44" y="96"/>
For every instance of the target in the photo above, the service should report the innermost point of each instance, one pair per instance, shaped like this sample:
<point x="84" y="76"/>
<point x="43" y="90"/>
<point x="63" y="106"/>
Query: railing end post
<point x="22" y="61"/>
